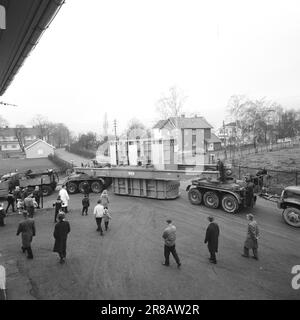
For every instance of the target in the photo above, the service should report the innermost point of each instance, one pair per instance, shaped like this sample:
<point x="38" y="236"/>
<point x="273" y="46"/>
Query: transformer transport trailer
<point x="134" y="181"/>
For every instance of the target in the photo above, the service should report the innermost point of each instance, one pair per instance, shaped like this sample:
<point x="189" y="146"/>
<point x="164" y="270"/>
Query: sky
<point x="121" y="57"/>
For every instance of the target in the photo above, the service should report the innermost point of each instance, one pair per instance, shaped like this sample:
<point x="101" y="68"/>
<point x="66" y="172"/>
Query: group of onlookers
<point x="62" y="227"/>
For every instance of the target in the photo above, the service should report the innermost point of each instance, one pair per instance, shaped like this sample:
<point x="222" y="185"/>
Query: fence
<point x="275" y="180"/>
<point x="233" y="152"/>
<point x="62" y="164"/>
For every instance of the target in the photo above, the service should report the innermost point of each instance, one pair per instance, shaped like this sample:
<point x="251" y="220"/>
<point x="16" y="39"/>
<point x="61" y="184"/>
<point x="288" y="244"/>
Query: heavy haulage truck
<point x="164" y="184"/>
<point x="45" y="179"/>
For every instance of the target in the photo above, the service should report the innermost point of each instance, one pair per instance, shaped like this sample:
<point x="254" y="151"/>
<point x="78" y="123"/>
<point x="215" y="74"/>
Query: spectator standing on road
<point x="2" y="215"/>
<point x="85" y="204"/>
<point x="37" y="195"/>
<point x="63" y="193"/>
<point x="169" y="236"/>
<point x="10" y="201"/>
<point x="29" y="206"/>
<point x="60" y="234"/>
<point x="99" y="212"/>
<point x="212" y="239"/>
<point x="27" y="229"/>
<point x="86" y="188"/>
<point x="57" y="208"/>
<point x="20" y="206"/>
<point x="252" y="237"/>
<point x="106" y="218"/>
<point x="17" y="194"/>
<point x="104" y="199"/>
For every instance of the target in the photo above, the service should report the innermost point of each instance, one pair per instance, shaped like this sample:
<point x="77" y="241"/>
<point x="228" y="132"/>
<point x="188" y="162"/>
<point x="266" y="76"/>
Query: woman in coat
<point x="61" y="231"/>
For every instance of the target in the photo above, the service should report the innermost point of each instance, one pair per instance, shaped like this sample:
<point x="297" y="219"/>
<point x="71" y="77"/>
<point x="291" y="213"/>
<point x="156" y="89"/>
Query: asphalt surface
<point x="126" y="262"/>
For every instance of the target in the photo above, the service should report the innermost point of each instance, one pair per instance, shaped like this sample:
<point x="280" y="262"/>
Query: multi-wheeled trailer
<point x="137" y="181"/>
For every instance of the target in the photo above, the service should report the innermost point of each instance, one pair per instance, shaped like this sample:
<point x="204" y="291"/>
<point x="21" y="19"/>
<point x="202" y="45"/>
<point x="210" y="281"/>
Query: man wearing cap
<point x="27" y="229"/>
<point x="252" y="237"/>
<point x="169" y="236"/>
<point x="212" y="239"/>
<point x="60" y="234"/>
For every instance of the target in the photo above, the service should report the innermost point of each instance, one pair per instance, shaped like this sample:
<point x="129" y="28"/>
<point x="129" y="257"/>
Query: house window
<point x="194" y="142"/>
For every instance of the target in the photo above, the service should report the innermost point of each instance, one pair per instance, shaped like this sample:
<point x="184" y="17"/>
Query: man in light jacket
<point x="169" y="236"/>
<point x="252" y="237"/>
<point x="64" y="197"/>
<point x="99" y="212"/>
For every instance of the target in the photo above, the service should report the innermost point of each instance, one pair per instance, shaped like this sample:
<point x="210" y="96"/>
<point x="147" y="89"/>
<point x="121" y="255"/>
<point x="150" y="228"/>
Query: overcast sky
<point x="121" y="56"/>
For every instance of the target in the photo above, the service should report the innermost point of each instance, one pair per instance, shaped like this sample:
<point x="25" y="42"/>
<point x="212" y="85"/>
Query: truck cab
<point x="289" y="201"/>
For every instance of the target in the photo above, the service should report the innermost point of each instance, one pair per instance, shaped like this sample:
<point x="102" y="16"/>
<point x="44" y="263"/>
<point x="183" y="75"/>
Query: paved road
<point x="126" y="262"/>
<point x="77" y="160"/>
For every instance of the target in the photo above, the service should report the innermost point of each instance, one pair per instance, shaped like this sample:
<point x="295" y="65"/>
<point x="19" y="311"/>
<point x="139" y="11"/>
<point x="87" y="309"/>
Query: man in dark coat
<point x="27" y="228"/>
<point x="249" y="191"/>
<point x="10" y="201"/>
<point x="212" y="239"/>
<point x="61" y="230"/>
<point x="221" y="169"/>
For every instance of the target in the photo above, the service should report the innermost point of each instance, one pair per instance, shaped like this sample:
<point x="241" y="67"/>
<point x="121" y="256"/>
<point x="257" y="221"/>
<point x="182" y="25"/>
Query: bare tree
<point x="20" y="131"/>
<point x="3" y="122"/>
<point x="172" y="104"/>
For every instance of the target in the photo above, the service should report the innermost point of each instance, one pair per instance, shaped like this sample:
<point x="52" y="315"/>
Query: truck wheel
<point x="46" y="191"/>
<point x="292" y="216"/>
<point x="195" y="196"/>
<point x="229" y="203"/>
<point x="97" y="187"/>
<point x="81" y="187"/>
<point x="71" y="187"/>
<point x="211" y="200"/>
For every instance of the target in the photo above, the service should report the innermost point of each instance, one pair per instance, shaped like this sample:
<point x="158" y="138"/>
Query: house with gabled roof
<point x="184" y="141"/>
<point x="38" y="149"/>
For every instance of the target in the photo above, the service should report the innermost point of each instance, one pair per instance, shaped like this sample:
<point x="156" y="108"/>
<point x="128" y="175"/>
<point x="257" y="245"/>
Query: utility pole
<point x="116" y="138"/>
<point x="225" y="151"/>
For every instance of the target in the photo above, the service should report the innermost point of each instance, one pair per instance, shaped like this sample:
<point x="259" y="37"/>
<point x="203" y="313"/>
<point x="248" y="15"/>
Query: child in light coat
<point x="106" y="218"/>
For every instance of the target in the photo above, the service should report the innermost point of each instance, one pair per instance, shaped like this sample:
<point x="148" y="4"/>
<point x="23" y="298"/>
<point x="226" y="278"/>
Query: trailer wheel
<point x="229" y="203"/>
<point x="211" y="199"/>
<point x="195" y="196"/>
<point x="46" y="191"/>
<point x="71" y="187"/>
<point x="81" y="187"/>
<point x="97" y="187"/>
<point x="292" y="216"/>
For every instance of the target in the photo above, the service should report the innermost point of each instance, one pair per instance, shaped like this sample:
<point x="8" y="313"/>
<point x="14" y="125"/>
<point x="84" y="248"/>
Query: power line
<point x="7" y="104"/>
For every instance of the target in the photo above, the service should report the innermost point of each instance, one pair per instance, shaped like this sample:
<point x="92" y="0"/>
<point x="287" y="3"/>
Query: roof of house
<point x="184" y="123"/>
<point x="213" y="139"/>
<point x="9" y="132"/>
<point x="31" y="144"/>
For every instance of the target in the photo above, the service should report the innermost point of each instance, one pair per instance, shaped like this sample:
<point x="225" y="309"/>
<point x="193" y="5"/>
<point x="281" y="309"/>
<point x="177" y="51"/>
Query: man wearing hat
<point x="252" y="237"/>
<point x="61" y="231"/>
<point x="212" y="239"/>
<point x="169" y="236"/>
<point x="27" y="229"/>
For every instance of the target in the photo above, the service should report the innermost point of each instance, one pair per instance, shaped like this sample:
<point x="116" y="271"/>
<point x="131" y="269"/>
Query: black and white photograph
<point x="149" y="151"/>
